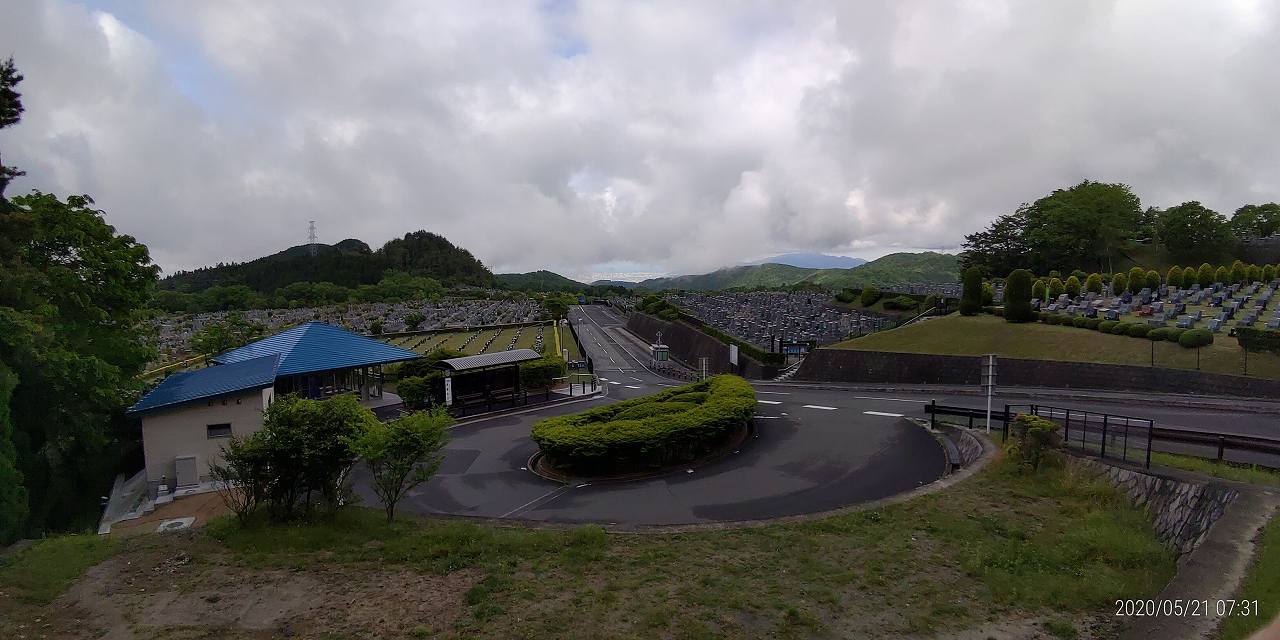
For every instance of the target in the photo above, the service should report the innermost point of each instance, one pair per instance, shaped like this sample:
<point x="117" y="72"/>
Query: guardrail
<point x="1109" y="435"/>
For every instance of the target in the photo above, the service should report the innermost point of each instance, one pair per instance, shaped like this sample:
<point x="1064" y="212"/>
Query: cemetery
<point x="766" y="318"/>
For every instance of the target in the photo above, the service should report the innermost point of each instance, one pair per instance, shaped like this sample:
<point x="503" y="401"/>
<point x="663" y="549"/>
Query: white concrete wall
<point x="182" y="431"/>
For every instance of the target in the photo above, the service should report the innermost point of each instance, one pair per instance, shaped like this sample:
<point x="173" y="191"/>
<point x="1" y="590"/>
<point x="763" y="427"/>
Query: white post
<point x="989" y="381"/>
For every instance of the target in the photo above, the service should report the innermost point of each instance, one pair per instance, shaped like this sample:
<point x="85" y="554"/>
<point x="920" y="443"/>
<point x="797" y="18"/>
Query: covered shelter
<point x="485" y="379"/>
<point x="318" y="360"/>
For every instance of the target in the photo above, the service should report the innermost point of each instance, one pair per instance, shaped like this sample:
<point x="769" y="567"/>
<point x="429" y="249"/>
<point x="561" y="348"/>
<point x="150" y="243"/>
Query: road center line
<point x="882" y="413"/>
<point x="818" y="406"/>
<point x="776" y="393"/>
<point x="768" y="402"/>
<point x="630" y="386"/>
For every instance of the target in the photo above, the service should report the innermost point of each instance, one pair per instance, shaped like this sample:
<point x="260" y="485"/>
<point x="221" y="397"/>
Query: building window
<point x="219" y="430"/>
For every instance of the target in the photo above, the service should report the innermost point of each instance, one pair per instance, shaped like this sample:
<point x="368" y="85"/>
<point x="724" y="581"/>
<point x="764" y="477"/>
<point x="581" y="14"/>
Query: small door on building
<point x="185" y="469"/>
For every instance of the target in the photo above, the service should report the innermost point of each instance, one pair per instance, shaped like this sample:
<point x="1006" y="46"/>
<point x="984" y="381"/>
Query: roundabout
<point x="813" y="451"/>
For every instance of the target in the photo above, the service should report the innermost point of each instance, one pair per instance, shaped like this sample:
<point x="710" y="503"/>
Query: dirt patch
<point x="153" y="594"/>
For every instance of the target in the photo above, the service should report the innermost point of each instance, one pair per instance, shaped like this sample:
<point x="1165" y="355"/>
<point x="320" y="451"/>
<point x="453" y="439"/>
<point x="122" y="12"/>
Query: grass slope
<point x="976" y="335"/>
<point x="1048" y="552"/>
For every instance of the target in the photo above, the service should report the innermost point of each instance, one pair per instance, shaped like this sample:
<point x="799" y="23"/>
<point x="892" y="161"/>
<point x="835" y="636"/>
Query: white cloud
<point x="680" y="136"/>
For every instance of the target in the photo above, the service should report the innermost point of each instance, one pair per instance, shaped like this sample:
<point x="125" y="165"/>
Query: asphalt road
<point x="815" y="450"/>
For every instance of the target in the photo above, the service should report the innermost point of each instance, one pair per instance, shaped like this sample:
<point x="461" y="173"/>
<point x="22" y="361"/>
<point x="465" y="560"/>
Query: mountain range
<point x="813" y="261"/>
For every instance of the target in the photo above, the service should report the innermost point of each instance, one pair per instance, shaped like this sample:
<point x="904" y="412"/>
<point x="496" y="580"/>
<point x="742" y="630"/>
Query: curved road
<point x="815" y="450"/>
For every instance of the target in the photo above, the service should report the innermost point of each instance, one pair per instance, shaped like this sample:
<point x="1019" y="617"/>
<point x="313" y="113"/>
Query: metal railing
<point x="1109" y="435"/>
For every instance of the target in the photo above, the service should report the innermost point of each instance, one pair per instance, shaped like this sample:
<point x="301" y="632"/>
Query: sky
<point x="626" y="139"/>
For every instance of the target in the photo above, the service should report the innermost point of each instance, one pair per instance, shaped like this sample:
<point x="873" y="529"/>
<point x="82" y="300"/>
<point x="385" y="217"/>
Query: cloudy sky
<point x="597" y="138"/>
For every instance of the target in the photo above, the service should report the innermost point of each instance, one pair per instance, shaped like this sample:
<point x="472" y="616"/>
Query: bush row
<point x="673" y="426"/>
<point x="1189" y="338"/>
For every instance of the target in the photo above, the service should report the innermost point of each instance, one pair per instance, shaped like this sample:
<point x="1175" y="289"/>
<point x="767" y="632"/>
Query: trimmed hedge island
<point x="674" y="426"/>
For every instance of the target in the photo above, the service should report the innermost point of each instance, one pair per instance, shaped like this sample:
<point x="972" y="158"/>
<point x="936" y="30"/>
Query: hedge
<point x="1193" y="338"/>
<point x="541" y="373"/>
<point x="1106" y="325"/>
<point x="1252" y="339"/>
<point x="1138" y="330"/>
<point x="901" y="303"/>
<point x="635" y="435"/>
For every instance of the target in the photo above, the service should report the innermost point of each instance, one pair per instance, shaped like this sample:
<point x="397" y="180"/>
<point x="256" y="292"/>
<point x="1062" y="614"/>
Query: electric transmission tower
<point x="311" y="238"/>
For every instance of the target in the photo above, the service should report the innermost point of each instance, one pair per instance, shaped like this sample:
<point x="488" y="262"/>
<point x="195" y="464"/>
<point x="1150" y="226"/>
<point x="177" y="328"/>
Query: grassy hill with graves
<point x="540" y="337"/>
<point x="1055" y="336"/>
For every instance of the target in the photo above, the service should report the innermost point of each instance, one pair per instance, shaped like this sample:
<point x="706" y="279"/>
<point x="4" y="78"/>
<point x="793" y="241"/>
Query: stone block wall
<point x="1182" y="511"/>
<point x="848" y="365"/>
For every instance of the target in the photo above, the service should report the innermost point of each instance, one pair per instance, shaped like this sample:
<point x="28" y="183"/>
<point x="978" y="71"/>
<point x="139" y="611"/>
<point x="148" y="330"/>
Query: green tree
<point x="73" y="299"/>
<point x="1017" y="297"/>
<point x="1268" y="273"/>
<point x="225" y="334"/>
<point x="1205" y="275"/>
<point x="1191" y="231"/>
<point x="1118" y="284"/>
<point x="869" y="296"/>
<point x="971" y="293"/>
<point x="10" y="113"/>
<point x="413" y="320"/>
<point x="1189" y="277"/>
<point x="1093" y="284"/>
<point x="1256" y="220"/>
<point x="1073" y="286"/>
<point x="1086" y="225"/>
<point x="988" y="294"/>
<point x="403" y="453"/>
<point x="1039" y="289"/>
<point x="1000" y="248"/>
<point x="1174" y="277"/>
<point x="1255" y="274"/>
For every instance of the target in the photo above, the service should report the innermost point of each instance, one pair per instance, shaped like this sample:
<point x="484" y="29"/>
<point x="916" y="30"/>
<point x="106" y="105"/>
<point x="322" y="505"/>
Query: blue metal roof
<point x="316" y="346"/>
<point x="187" y="386"/>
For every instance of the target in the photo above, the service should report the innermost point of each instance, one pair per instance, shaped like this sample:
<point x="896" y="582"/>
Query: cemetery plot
<point x="760" y="317"/>
<point x="480" y="340"/>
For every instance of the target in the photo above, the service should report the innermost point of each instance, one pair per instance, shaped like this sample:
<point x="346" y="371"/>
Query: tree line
<point x="1093" y="225"/>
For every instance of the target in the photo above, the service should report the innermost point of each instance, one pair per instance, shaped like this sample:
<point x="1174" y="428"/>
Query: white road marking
<point x="776" y="393"/>
<point x="768" y="402"/>
<point x="767" y="417"/>
<point x="630" y="386"/>
<point x="818" y="406"/>
<point x="881" y="413"/>
<point x="889" y="399"/>
<point x="661" y="384"/>
<point x="604" y="378"/>
<point x="612" y="382"/>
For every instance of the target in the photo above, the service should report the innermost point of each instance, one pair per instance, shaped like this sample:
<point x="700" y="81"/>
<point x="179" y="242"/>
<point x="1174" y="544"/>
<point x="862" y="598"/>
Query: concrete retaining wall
<point x="688" y="345"/>
<point x="1182" y="511"/>
<point x="847" y="365"/>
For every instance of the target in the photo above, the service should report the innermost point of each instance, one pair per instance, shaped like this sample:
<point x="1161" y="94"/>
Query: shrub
<point x="870" y="295"/>
<point x="1268" y="273"/>
<point x="1107" y="325"/>
<point x="1137" y="279"/>
<point x="1264" y="340"/>
<point x="416" y="390"/>
<point x="1174" y="277"/>
<point x="1017" y="297"/>
<point x="971" y="294"/>
<point x="1093" y="284"/>
<point x="541" y="373"/>
<point x="1153" y="280"/>
<point x="1255" y="273"/>
<point x="1080" y="322"/>
<point x="1193" y="338"/>
<point x="1120" y="328"/>
<point x="1118" y="284"/>
<point x="1204" y="275"/>
<point x="1138" y="330"/>
<point x="1222" y="276"/>
<point x="1093" y="323"/>
<point x="1073" y="287"/>
<point x="901" y="303"/>
<point x="1158" y="333"/>
<point x="1036" y="440"/>
<point x="934" y="301"/>
<point x="598" y="441"/>
<point x="988" y="294"/>
<point x="1189" y="277"/>
<point x="847" y="296"/>
<point x="1039" y="290"/>
<point x="1056" y="288"/>
<point x="1238" y="272"/>
<point x="1174" y="334"/>
<point x="651" y="409"/>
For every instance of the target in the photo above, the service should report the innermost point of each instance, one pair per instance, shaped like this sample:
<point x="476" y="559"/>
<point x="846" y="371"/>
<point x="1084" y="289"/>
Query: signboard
<point x="448" y="391"/>
<point x="733" y="354"/>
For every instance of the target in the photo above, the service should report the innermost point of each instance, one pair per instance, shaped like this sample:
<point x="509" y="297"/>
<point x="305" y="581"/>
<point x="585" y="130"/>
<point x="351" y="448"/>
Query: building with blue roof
<point x="188" y="417"/>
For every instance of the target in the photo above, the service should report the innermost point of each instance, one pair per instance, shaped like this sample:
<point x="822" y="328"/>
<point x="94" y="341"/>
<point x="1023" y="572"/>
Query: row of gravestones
<point x="1232" y="299"/>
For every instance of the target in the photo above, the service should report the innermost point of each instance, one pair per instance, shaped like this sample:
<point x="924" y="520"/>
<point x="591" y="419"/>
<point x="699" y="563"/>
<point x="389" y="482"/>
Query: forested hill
<point x="349" y="263"/>
<point x="541" y="280"/>
<point x="897" y="268"/>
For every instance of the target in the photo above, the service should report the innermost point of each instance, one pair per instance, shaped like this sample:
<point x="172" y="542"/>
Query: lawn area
<point x="976" y="335"/>
<point x="1049" y="552"/>
<point x="1262" y="584"/>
